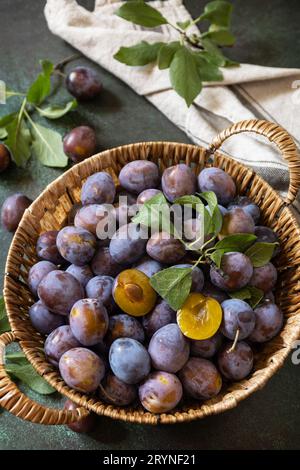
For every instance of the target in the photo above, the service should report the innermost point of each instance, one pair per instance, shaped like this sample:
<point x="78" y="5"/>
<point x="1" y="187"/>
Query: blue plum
<point x="37" y="272"/>
<point x="129" y="360"/>
<point x="169" y="349"/>
<point x="76" y="245"/>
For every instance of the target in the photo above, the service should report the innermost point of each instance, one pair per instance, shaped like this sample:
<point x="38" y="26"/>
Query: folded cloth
<point x="247" y="91"/>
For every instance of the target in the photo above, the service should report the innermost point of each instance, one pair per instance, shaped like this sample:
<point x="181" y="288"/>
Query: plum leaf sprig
<point x="193" y="59"/>
<point x="18" y="366"/>
<point x="173" y="284"/>
<point x="23" y="136"/>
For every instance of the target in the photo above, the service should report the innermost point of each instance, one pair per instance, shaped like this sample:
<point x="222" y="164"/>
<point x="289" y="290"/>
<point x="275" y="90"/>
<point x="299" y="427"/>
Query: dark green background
<point x="267" y="33"/>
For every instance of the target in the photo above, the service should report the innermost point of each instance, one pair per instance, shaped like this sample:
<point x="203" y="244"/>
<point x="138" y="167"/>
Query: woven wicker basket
<point x="49" y="211"/>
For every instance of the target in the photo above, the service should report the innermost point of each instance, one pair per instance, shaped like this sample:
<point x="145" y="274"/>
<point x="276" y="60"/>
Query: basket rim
<point x="209" y="407"/>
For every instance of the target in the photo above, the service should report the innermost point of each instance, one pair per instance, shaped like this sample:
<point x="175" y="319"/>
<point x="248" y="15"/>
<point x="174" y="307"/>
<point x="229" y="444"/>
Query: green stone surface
<point x="267" y="34"/>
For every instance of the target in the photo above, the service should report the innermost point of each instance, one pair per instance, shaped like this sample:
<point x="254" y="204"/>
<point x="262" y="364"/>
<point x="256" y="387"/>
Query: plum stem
<point x="237" y="334"/>
<point x="60" y="65"/>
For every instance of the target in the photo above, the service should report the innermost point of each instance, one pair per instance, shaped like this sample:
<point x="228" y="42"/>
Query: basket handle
<point x="275" y="134"/>
<point x="13" y="400"/>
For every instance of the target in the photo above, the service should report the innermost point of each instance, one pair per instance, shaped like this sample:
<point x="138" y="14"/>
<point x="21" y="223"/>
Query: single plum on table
<point x="200" y="378"/>
<point x="235" y="364"/>
<point x="58" y="342"/>
<point x="129" y="360"/>
<point x="43" y="320"/>
<point x="268" y="322"/>
<point x="164" y="248"/>
<point x="160" y="392"/>
<point x="84" y="425"/>
<point x="12" y="211"/>
<point x="89" y="321"/>
<point x="160" y="316"/>
<point x="237" y="315"/>
<point x="81" y="369"/>
<point x="235" y="272"/>
<point x="37" y="272"/>
<point x="221" y="183"/>
<point x="169" y="349"/>
<point x="80" y="143"/>
<point x="5" y="158"/>
<point x="116" y="392"/>
<point x="178" y="180"/>
<point x="76" y="245"/>
<point x="99" y="188"/>
<point x="138" y="175"/>
<point x="46" y="247"/>
<point x="59" y="291"/>
<point x="83" y="83"/>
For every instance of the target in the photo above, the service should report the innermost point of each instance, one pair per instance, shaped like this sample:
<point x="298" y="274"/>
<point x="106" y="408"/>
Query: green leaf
<point x="241" y="294"/>
<point x="57" y="111"/>
<point x="155" y="213"/>
<point x="48" y="146"/>
<point x="260" y="253"/>
<point x="184" y="75"/>
<point x="166" y="54"/>
<point x="184" y="24"/>
<point x="41" y="87"/>
<point x="218" y="12"/>
<point x="47" y="66"/>
<point x="238" y="242"/>
<point x="216" y="218"/>
<point x="19" y="138"/>
<point x="173" y="285"/>
<point x="141" y="13"/>
<point x="16" y="357"/>
<point x="3" y="133"/>
<point x="4" y="323"/>
<point x="140" y="54"/>
<point x="256" y="296"/>
<point x="216" y="257"/>
<point x="214" y="55"/>
<point x="27" y="374"/>
<point x="208" y="72"/>
<point x="7" y="119"/>
<point x="220" y="36"/>
<point x="252" y="295"/>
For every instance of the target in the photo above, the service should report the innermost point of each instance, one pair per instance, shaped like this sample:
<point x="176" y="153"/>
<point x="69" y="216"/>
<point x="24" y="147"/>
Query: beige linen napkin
<point x="247" y="91"/>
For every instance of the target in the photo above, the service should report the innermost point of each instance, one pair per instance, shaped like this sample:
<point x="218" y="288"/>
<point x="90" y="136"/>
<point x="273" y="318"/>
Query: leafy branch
<point x="22" y="135"/>
<point x="194" y="58"/>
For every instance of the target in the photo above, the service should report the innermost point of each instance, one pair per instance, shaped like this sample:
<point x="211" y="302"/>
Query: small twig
<point x="237" y="334"/>
<point x="60" y="65"/>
